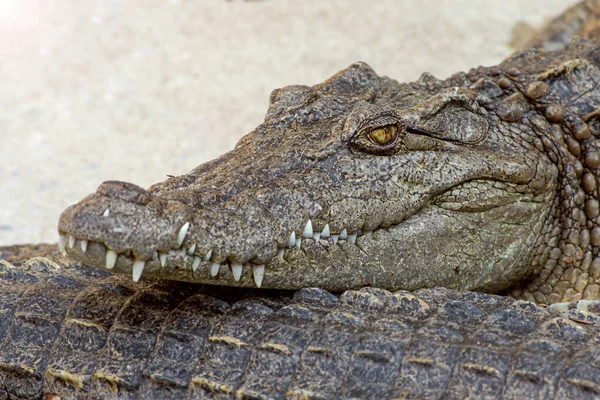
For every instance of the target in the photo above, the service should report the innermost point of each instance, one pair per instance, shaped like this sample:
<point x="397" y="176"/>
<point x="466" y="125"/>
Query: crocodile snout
<point x="122" y="224"/>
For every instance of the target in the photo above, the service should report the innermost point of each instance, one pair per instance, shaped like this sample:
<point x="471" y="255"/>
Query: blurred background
<point x="135" y="90"/>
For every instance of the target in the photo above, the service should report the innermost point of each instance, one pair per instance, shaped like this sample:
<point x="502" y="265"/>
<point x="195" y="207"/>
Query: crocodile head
<point x="359" y="180"/>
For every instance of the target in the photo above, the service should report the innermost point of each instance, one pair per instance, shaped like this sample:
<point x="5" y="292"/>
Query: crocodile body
<point x="79" y="332"/>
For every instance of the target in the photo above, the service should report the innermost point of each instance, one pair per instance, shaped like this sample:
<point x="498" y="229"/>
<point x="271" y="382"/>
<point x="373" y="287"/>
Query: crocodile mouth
<point x="185" y="263"/>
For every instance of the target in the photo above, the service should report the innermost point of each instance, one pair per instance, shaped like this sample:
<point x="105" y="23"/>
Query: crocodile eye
<point x="383" y="135"/>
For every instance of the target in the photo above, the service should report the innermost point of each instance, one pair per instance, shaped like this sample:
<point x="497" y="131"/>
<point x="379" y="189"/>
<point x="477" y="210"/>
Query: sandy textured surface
<point x="135" y="90"/>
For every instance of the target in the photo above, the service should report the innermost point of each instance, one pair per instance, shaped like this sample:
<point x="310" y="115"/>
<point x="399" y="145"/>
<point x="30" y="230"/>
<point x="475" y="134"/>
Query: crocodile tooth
<point x="335" y="238"/>
<point x="368" y="233"/>
<point x="344" y="235"/>
<point x="71" y="241"/>
<point x="298" y="242"/>
<point x="352" y="238"/>
<point x="196" y="263"/>
<point x="280" y="254"/>
<point x="192" y="249"/>
<point x="326" y="232"/>
<point x="83" y="245"/>
<point x="214" y="269"/>
<point x="138" y="268"/>
<point x="292" y="239"/>
<point x="259" y="272"/>
<point x="207" y="256"/>
<point x="106" y="212"/>
<point x="236" y="269"/>
<point x="182" y="232"/>
<point x="155" y="255"/>
<point x="308" y="230"/>
<point x="62" y="244"/>
<point x="317" y="235"/>
<point x="111" y="259"/>
<point x="163" y="259"/>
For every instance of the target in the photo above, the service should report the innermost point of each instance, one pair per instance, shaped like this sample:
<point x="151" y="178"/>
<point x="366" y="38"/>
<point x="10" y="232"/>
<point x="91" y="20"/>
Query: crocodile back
<point x="80" y="332"/>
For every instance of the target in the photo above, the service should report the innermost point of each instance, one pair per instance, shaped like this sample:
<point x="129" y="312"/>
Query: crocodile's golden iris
<point x="383" y="135"/>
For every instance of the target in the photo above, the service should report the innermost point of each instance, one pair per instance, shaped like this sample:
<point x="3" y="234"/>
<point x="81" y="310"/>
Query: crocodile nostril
<point x="125" y="191"/>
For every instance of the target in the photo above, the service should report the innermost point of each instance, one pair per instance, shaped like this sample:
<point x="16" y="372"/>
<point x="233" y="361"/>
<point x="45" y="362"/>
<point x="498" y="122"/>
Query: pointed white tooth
<point x="207" y="256"/>
<point x="71" y="241"/>
<point x="259" y="272"/>
<point x="292" y="239"/>
<point x="196" y="263"/>
<point x="62" y="244"/>
<point x="83" y="245"/>
<point x="111" y="259"/>
<point x="326" y="233"/>
<point x="335" y="238"/>
<point x="182" y="232"/>
<point x="106" y="212"/>
<point x="138" y="268"/>
<point x="192" y="249"/>
<point x="352" y="238"/>
<point x="317" y="236"/>
<point x="308" y="230"/>
<point x="236" y="269"/>
<point x="368" y="233"/>
<point x="163" y="259"/>
<point x="298" y="242"/>
<point x="214" y="269"/>
<point x="344" y="235"/>
<point x="155" y="255"/>
<point x="280" y="254"/>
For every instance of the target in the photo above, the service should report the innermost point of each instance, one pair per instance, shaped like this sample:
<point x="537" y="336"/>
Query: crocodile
<point x="485" y="182"/>
<point x="72" y="331"/>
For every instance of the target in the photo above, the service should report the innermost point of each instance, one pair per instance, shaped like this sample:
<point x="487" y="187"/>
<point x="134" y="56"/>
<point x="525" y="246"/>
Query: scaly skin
<point x="489" y="178"/>
<point x="75" y="332"/>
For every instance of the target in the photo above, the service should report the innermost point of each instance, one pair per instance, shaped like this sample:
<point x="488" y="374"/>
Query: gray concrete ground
<point x="135" y="90"/>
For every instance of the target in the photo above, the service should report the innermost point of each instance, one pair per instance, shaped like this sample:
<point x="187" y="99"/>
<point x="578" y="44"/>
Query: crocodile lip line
<point x="186" y="256"/>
